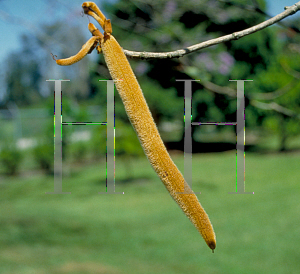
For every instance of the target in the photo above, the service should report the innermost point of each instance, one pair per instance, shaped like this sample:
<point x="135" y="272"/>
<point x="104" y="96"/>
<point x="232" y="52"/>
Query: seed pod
<point x="144" y="125"/>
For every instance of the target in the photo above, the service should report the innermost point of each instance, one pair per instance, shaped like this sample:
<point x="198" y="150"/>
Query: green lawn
<point x="144" y="231"/>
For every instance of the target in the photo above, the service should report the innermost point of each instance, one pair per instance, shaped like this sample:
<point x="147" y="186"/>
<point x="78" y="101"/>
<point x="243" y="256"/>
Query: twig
<point x="219" y="89"/>
<point x="234" y="36"/>
<point x="275" y="94"/>
<point x="276" y="107"/>
<point x="269" y="106"/>
<point x="290" y="71"/>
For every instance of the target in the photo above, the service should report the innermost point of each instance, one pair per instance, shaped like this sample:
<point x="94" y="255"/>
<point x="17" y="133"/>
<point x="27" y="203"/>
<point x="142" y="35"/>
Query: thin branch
<point x="259" y="96"/>
<point x="281" y="91"/>
<point x="290" y="71"/>
<point x="276" y="107"/>
<point x="275" y="94"/>
<point x="219" y="89"/>
<point x="234" y="36"/>
<point x="269" y="106"/>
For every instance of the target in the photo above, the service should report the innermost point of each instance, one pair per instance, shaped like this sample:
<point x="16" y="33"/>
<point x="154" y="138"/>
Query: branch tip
<point x="53" y="56"/>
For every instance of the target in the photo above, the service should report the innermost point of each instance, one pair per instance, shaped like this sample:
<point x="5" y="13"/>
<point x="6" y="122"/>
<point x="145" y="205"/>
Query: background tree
<point x="162" y="26"/>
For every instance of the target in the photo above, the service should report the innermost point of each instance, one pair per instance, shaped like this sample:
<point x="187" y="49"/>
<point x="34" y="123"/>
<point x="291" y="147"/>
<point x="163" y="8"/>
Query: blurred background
<point x="143" y="231"/>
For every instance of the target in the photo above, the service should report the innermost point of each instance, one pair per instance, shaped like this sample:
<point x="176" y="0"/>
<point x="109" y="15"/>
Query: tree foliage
<point x="270" y="57"/>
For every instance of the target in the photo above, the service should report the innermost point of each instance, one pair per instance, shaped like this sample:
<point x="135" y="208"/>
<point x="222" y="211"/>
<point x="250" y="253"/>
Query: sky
<point x="28" y="14"/>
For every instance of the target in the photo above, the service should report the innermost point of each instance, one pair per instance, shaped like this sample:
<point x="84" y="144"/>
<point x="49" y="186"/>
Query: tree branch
<point x="276" y="107"/>
<point x="269" y="106"/>
<point x="275" y="94"/>
<point x="234" y="36"/>
<point x="290" y="71"/>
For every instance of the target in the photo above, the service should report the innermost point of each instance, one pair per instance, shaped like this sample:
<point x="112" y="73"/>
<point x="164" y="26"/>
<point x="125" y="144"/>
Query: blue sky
<point x="28" y="14"/>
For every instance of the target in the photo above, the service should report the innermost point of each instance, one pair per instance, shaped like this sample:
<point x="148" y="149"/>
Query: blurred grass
<point x="144" y="231"/>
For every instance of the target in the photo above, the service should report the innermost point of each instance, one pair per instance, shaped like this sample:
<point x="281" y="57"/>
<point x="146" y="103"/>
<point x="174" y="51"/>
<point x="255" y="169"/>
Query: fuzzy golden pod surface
<point x="142" y="121"/>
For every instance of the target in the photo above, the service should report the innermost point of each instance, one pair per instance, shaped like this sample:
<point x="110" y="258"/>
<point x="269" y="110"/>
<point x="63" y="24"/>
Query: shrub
<point x="11" y="159"/>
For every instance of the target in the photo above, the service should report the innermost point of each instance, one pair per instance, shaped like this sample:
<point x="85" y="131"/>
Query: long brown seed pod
<point x="144" y="125"/>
